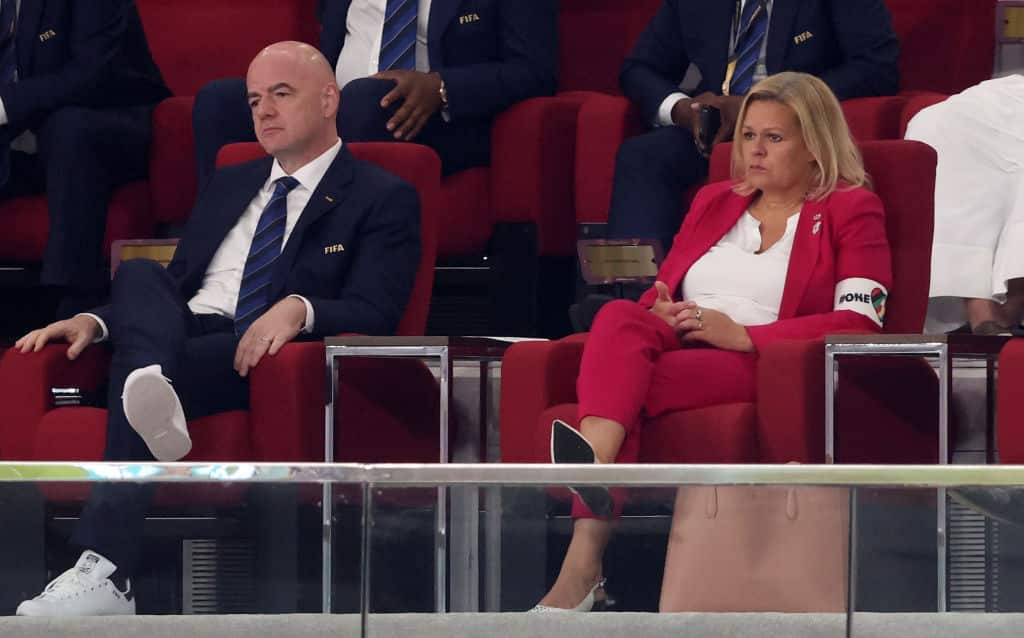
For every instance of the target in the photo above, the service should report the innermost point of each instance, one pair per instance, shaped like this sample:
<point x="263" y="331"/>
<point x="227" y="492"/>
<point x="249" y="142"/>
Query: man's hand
<point x="714" y="328"/>
<point x="728" y="108"/>
<point x="420" y="95"/>
<point x="667" y="309"/>
<point x="79" y="331"/>
<point x="266" y="335"/>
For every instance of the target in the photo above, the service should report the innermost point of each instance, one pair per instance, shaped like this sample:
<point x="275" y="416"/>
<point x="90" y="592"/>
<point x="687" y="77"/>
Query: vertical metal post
<point x="327" y="498"/>
<point x="830" y="403"/>
<point x="945" y="377"/>
<point x="851" y="565"/>
<point x="364" y="561"/>
<point x="441" y="513"/>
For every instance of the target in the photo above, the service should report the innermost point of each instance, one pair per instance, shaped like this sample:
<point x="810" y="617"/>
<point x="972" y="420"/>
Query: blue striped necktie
<point x="398" y="41"/>
<point x="753" y="27"/>
<point x="8" y="60"/>
<point x="253" y="294"/>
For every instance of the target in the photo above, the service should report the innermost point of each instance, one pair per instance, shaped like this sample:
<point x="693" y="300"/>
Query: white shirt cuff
<point x="308" y="326"/>
<point x="105" y="334"/>
<point x="664" y="117"/>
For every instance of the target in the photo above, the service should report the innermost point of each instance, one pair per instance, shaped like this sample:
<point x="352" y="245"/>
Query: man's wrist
<point x="683" y="113"/>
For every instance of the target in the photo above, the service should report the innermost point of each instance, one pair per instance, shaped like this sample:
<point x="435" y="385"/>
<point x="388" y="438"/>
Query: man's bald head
<point x="306" y="58"/>
<point x="294" y="100"/>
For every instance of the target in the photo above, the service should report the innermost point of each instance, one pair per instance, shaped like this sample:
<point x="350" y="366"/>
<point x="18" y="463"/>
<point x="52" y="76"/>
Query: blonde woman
<point x="793" y="247"/>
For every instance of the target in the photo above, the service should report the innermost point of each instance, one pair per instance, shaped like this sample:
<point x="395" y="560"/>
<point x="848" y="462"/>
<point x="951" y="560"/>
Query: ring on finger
<point x="699" y="314"/>
<point x="266" y="339"/>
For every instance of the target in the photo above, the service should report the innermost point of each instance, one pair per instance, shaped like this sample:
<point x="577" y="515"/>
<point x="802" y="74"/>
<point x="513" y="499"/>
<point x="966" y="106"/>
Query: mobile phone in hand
<point x="710" y="119"/>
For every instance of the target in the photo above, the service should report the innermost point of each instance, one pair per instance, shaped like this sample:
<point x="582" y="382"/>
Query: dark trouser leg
<point x="220" y="116"/>
<point x="152" y="324"/>
<point x="652" y="171"/>
<point x="87" y="153"/>
<point x="460" y="145"/>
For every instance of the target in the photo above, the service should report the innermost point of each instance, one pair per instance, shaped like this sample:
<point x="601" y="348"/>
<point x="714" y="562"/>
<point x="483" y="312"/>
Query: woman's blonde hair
<point x="822" y="125"/>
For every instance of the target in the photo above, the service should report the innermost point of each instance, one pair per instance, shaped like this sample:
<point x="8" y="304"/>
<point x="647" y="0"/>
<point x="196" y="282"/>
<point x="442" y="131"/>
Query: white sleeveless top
<point x="732" y="278"/>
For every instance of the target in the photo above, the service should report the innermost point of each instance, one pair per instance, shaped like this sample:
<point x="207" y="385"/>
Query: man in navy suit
<point x="77" y="86"/>
<point x="250" y="274"/>
<point x="435" y="72"/>
<point x="732" y="44"/>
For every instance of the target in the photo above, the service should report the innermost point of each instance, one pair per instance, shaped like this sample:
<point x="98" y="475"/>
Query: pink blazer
<point x="839" y="270"/>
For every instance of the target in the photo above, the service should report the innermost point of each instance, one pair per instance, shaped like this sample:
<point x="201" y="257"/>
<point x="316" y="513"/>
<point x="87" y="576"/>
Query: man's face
<point x="288" y="105"/>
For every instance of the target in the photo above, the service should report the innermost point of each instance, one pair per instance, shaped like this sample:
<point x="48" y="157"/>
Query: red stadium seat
<point x="879" y="421"/>
<point x="1010" y="403"/>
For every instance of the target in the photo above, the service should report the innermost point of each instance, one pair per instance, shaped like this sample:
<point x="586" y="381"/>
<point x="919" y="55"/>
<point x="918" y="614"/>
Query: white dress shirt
<point x="735" y="279"/>
<point x="364" y="26"/>
<point x="664" y="116"/>
<point x="218" y="293"/>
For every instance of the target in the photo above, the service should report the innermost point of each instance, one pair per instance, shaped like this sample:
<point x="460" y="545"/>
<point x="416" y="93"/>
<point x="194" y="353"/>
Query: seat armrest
<point x="535" y="375"/>
<point x="26" y="379"/>
<point x="286" y="402"/>
<point x="533" y="148"/>
<point x="874" y="118"/>
<point x="604" y="123"/>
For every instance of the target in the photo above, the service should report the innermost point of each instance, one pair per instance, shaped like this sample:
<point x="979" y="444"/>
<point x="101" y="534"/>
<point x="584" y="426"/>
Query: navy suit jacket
<point x="372" y="214"/>
<point x="850" y="44"/>
<point x="491" y="53"/>
<point x="79" y="53"/>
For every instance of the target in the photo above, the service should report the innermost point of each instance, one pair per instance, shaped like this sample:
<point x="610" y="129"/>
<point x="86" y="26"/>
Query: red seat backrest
<point x="196" y="41"/>
<point x="945" y="45"/>
<point x="903" y="175"/>
<point x="416" y="164"/>
<point x="594" y="37"/>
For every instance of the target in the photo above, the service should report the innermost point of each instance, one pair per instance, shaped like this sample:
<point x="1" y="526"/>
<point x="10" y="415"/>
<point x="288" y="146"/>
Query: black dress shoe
<point x="1004" y="504"/>
<point x="569" y="446"/>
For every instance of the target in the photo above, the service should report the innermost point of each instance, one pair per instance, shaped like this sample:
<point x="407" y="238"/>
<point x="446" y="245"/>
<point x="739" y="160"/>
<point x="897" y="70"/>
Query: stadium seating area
<point x="507" y="234"/>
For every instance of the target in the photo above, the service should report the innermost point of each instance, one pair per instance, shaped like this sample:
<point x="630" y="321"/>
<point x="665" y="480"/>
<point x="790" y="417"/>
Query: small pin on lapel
<point x="817" y="216"/>
<point x="329" y="198"/>
<point x="815" y="228"/>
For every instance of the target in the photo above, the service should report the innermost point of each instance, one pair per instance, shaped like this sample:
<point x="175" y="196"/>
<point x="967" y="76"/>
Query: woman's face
<point x="774" y="154"/>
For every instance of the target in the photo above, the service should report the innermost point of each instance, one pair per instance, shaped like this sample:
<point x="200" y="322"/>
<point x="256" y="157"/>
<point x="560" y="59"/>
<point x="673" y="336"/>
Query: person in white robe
<point x="977" y="275"/>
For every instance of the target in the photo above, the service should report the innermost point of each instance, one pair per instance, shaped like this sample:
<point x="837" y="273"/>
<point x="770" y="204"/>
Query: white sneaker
<point x="154" y="411"/>
<point x="83" y="590"/>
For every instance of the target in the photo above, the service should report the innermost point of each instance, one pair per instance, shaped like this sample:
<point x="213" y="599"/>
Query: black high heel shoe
<point x="569" y="446"/>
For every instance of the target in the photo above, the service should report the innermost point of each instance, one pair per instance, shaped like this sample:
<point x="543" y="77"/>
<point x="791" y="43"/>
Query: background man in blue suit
<point x="732" y="43"/>
<point x="77" y="85"/>
<point x="250" y="274"/>
<point x="435" y="72"/>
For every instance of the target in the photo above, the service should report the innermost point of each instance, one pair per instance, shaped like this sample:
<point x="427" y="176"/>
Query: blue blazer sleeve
<point x="526" y="64"/>
<point x="657" y="63"/>
<point x="868" y="48"/>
